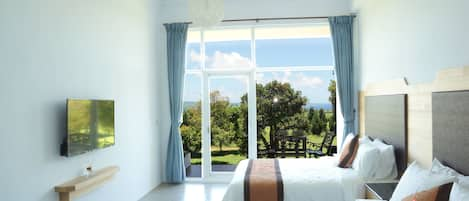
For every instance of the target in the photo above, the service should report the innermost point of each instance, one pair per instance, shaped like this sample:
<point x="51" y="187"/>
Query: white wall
<point x="52" y="50"/>
<point x="177" y="11"/>
<point x="412" y="39"/>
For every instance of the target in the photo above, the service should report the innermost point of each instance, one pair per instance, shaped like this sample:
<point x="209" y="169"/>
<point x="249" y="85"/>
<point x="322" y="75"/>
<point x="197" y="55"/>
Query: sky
<point x="285" y="52"/>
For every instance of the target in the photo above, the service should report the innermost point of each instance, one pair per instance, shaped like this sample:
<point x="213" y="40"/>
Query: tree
<point x="279" y="106"/>
<point x="191" y="138"/>
<point x="191" y="128"/>
<point x="322" y="115"/>
<point x="332" y="100"/>
<point x="240" y="128"/>
<point x="322" y="120"/>
<point x="299" y="121"/>
<point x="318" y="121"/>
<point x="241" y="138"/>
<point x="221" y="120"/>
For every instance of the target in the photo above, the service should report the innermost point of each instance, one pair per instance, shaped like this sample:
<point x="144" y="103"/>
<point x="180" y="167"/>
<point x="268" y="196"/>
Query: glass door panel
<point x="294" y="46"/>
<point x="191" y="126"/>
<point x="228" y="99"/>
<point x="228" y="49"/>
<point x="294" y="110"/>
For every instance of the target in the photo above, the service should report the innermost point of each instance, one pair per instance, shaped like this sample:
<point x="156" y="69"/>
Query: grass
<point x="231" y="156"/>
<point x="318" y="139"/>
<point x="226" y="157"/>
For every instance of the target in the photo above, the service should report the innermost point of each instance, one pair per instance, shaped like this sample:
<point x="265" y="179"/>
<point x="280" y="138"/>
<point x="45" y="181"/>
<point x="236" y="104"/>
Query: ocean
<point x="324" y="106"/>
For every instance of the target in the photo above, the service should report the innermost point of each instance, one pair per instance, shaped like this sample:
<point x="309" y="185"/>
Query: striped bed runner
<point x="263" y="181"/>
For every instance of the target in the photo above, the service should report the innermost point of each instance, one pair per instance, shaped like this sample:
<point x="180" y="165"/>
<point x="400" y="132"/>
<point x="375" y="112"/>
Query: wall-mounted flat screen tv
<point x="90" y="126"/>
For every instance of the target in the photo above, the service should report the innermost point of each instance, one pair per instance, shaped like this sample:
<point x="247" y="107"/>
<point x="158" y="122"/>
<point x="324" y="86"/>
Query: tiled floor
<point x="187" y="192"/>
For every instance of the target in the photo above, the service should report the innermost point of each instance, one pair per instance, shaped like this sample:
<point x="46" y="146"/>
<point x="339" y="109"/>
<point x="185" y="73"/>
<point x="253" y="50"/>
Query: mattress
<point x="307" y="180"/>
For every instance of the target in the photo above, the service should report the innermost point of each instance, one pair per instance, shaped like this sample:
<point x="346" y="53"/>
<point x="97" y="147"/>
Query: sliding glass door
<point x="228" y="122"/>
<point x="248" y="88"/>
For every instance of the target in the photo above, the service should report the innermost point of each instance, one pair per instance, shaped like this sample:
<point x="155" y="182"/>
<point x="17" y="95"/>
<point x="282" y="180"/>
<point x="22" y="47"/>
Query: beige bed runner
<point x="263" y="181"/>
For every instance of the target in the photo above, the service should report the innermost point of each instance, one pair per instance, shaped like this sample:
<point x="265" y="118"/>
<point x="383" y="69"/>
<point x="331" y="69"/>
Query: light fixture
<point x="206" y="13"/>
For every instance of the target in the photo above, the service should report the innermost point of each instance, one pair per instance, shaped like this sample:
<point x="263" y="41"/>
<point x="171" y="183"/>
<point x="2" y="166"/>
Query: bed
<point x="306" y="179"/>
<point x="321" y="179"/>
<point x="445" y="180"/>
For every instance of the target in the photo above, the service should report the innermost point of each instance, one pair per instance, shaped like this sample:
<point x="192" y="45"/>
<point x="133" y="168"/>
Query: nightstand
<point x="380" y="191"/>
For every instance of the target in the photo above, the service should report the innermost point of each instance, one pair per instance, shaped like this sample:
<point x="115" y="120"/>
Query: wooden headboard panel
<point x="386" y="119"/>
<point x="451" y="129"/>
<point x="419" y="107"/>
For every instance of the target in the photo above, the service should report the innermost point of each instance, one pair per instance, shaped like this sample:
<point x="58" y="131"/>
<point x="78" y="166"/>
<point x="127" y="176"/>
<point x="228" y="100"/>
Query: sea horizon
<point x="324" y="106"/>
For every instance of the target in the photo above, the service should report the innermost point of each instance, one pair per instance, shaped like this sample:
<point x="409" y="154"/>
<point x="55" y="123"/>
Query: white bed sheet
<point x="307" y="180"/>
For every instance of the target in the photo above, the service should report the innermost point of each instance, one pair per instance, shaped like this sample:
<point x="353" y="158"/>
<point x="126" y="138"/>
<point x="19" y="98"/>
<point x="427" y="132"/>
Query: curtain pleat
<point x="176" y="34"/>
<point x="342" y="38"/>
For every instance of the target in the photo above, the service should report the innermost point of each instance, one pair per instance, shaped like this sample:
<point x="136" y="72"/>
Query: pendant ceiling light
<point x="206" y="13"/>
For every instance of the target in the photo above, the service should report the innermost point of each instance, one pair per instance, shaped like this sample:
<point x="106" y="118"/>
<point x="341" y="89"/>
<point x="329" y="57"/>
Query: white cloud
<point x="222" y="60"/>
<point x="196" y="57"/>
<point x="228" y="60"/>
<point x="260" y="78"/>
<point x="235" y="60"/>
<point x="283" y="77"/>
<point x="297" y="80"/>
<point x="229" y="91"/>
<point x="303" y="80"/>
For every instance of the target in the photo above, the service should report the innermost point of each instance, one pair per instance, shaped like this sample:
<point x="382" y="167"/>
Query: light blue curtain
<point x="342" y="38"/>
<point x="176" y="35"/>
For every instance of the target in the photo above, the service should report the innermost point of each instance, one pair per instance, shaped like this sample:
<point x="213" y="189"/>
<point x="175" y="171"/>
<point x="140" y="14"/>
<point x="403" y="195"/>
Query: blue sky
<point x="269" y="53"/>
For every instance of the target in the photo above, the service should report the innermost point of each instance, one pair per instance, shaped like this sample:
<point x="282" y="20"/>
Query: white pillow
<point x="460" y="189"/>
<point x="367" y="160"/>
<point x="416" y="179"/>
<point x="459" y="193"/>
<point x="463" y="181"/>
<point x="438" y="167"/>
<point x="365" y="139"/>
<point x="387" y="168"/>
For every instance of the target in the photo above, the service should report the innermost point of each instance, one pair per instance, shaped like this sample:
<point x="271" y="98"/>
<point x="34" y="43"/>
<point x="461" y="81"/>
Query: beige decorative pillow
<point x="349" y="152"/>
<point x="439" y="193"/>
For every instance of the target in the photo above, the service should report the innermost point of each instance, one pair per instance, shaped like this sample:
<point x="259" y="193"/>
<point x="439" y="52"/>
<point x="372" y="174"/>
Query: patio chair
<point x="318" y="149"/>
<point x="290" y="145"/>
<point x="269" y="151"/>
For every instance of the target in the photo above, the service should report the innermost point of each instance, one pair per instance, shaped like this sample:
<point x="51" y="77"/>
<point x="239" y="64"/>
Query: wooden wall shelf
<point x="81" y="185"/>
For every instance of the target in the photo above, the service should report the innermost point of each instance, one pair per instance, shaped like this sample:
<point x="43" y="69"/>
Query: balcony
<point x="286" y="146"/>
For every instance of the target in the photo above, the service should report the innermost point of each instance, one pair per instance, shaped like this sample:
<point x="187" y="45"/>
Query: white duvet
<point x="307" y="180"/>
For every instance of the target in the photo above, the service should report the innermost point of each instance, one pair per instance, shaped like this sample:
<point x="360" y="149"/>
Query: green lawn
<point x="221" y="158"/>
<point x="318" y="139"/>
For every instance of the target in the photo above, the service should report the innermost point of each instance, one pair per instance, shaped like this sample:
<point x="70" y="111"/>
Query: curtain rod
<point x="274" y="19"/>
<point x="278" y="18"/>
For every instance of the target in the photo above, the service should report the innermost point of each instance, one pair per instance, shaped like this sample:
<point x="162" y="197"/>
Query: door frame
<point x="249" y="74"/>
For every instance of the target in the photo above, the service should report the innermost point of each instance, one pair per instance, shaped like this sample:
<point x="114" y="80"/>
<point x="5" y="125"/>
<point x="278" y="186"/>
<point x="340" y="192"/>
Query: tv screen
<point x="90" y="126"/>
